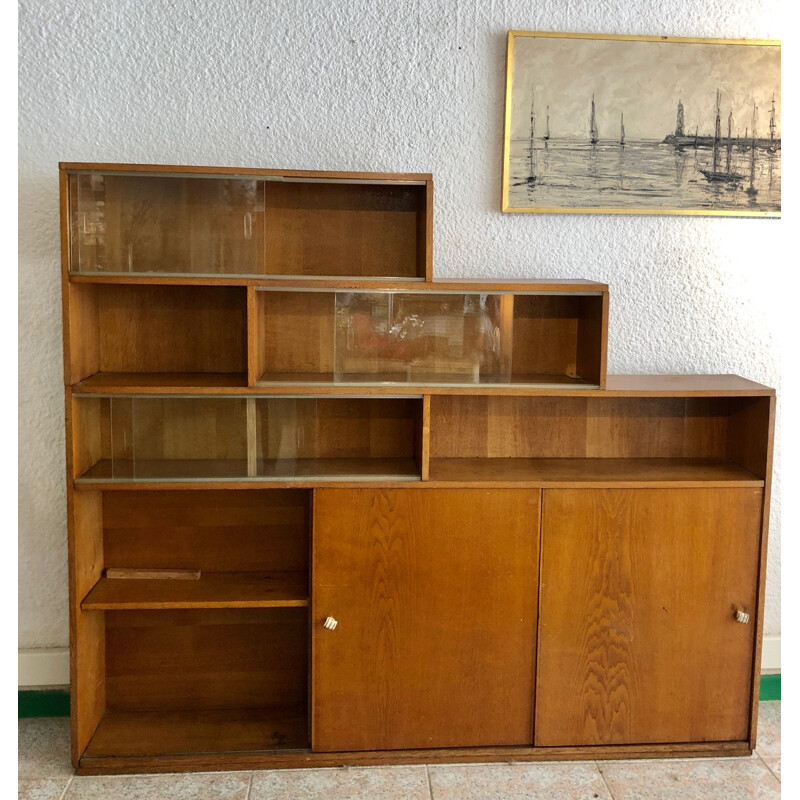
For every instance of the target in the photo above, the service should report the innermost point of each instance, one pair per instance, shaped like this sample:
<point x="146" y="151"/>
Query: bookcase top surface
<point x="684" y="385"/>
<point x="300" y="283"/>
<point x="110" y="384"/>
<point x="267" y="172"/>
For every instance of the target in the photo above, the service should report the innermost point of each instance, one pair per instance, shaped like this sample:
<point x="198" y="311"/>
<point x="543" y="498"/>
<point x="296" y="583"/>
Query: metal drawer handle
<point x="742" y="616"/>
<point x="330" y="623"/>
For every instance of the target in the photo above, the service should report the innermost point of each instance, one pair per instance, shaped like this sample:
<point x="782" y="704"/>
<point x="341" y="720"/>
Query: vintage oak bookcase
<point x="324" y="510"/>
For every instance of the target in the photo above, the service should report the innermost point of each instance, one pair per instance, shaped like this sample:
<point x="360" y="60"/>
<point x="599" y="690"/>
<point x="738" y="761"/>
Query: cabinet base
<point x="120" y="765"/>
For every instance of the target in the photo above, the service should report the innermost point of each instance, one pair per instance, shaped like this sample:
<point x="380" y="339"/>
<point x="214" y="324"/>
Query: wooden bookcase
<point x="365" y="517"/>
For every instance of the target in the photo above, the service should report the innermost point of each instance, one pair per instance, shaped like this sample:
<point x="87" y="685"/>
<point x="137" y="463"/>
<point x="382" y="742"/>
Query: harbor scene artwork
<point x="605" y="124"/>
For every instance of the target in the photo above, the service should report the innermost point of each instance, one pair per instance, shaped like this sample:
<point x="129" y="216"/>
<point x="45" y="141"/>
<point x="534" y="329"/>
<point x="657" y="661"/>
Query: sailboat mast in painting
<point x="687" y="145"/>
<point x="751" y="189"/>
<point x="729" y="146"/>
<point x="772" y="148"/>
<point x="716" y="175"/>
<point x="717" y="136"/>
<point x="532" y="175"/>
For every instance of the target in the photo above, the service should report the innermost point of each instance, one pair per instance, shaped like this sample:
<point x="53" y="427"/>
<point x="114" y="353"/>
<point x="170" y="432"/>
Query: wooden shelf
<point x="279" y="470"/>
<point x="162" y="383"/>
<point x="236" y="383"/>
<point x="146" y="733"/>
<point x="212" y="590"/>
<point x="156" y="470"/>
<point x="591" y="472"/>
<point x="321" y="469"/>
<point x="303" y="380"/>
<point x="120" y="383"/>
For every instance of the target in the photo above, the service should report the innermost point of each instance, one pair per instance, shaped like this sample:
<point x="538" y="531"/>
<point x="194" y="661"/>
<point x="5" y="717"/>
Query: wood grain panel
<point x="637" y="637"/>
<point x="87" y="629"/>
<point x="765" y="417"/>
<point x="213" y="531"/>
<point x="255" y="344"/>
<point x="297" y="332"/>
<point x="539" y="427"/>
<point x="345" y="229"/>
<point x="435" y="596"/>
<point x="218" y="734"/>
<point x="90" y="433"/>
<point x="592" y="339"/>
<point x="425" y="234"/>
<point x="349" y="428"/>
<point x="459" y="426"/>
<point x="81" y="333"/>
<point x="201" y="660"/>
<point x="749" y="434"/>
<point x="171" y="329"/>
<point x="508" y="427"/>
<point x="545" y="335"/>
<point x="422" y="440"/>
<point x="627" y="428"/>
<point x="579" y="427"/>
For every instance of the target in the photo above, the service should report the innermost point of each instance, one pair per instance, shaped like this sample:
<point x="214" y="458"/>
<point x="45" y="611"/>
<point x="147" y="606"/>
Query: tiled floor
<point x="45" y="774"/>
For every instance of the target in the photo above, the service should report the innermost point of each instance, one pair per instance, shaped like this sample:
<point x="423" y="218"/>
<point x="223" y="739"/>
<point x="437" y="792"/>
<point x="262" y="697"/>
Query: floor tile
<point x="768" y="736"/>
<point x="353" y="783"/>
<point x="191" y="786"/>
<point x="572" y="781"/>
<point x="733" y="779"/>
<point x="44" y="748"/>
<point x="775" y="765"/>
<point x="42" y="788"/>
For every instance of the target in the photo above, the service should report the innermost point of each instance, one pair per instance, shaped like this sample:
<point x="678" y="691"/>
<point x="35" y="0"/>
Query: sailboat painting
<point x="642" y="125"/>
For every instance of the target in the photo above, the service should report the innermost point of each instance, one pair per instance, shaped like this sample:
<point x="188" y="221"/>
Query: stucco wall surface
<point x="361" y="85"/>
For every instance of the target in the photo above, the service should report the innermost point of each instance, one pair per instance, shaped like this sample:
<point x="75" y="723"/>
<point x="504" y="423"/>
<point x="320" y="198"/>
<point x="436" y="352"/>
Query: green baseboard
<point x="43" y="703"/>
<point x="55" y="702"/>
<point x="770" y="687"/>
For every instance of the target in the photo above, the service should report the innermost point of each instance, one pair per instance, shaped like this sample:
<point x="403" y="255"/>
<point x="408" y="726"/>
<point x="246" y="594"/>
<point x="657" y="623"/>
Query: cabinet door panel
<point x="434" y="595"/>
<point x="638" y="640"/>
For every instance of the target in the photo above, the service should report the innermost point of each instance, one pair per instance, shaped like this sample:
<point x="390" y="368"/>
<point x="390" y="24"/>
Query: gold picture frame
<point x="705" y="88"/>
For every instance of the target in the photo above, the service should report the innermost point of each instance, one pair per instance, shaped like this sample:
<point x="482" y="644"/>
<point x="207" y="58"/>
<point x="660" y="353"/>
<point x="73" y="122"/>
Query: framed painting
<point x="642" y="125"/>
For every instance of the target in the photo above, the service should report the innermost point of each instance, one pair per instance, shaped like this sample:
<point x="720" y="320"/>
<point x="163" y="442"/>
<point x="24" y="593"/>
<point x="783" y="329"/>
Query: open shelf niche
<point x="218" y="663"/>
<point x="590" y="440"/>
<point x="123" y="332"/>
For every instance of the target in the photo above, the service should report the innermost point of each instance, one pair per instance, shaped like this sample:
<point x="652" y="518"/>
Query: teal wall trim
<point x="55" y="703"/>
<point x="43" y="703"/>
<point x="770" y="687"/>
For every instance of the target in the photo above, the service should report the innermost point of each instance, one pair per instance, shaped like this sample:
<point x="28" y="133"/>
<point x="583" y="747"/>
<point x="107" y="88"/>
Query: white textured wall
<point x="359" y="85"/>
